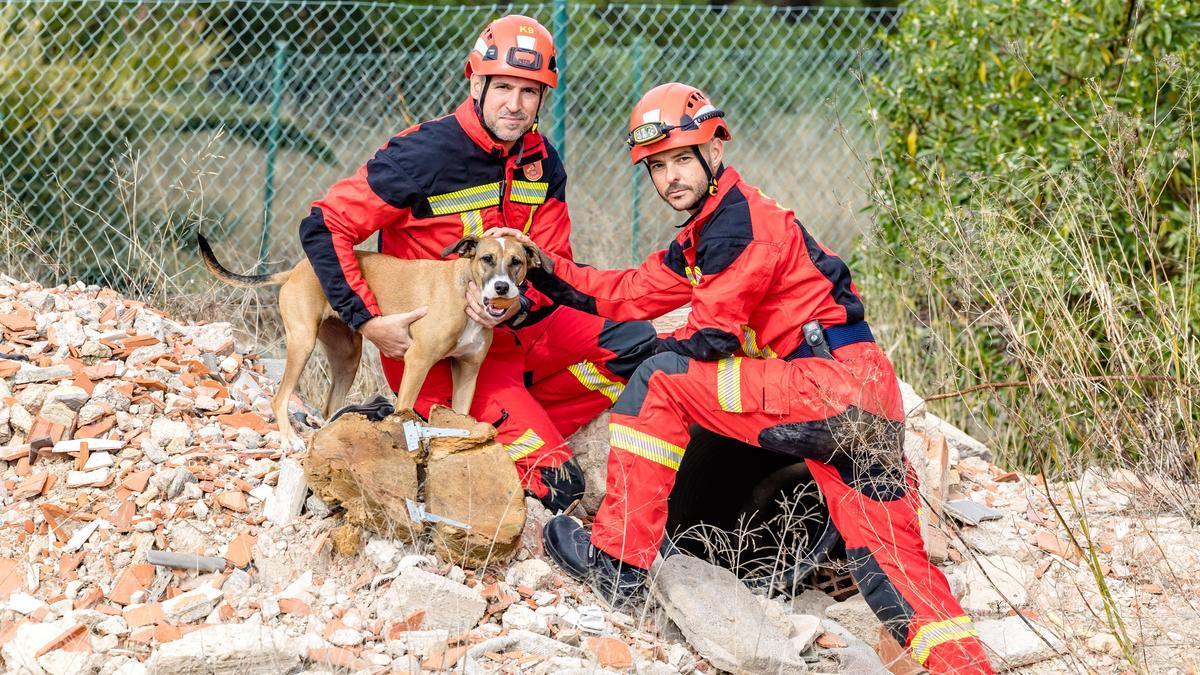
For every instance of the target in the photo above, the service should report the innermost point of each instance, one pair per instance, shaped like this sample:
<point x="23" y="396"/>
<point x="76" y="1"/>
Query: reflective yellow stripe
<point x="472" y="223"/>
<point x="529" y="220"/>
<point x="590" y="376"/>
<point x="646" y="446"/>
<point x="729" y="384"/>
<point x="750" y="345"/>
<point x="526" y="192"/>
<point x="477" y="197"/>
<point x="693" y="275"/>
<point x="524" y="444"/>
<point x="933" y="634"/>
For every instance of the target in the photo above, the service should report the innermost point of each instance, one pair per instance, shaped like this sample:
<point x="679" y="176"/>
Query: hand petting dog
<point x="390" y="332"/>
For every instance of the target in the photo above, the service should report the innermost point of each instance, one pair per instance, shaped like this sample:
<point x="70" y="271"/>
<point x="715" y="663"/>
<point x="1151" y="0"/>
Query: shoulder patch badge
<point x="533" y="171"/>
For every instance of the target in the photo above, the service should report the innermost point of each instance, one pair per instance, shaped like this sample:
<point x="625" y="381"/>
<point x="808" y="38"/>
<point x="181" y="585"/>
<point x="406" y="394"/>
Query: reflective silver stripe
<point x="526" y="192"/>
<point x="590" y="376"/>
<point x="750" y="345"/>
<point x="472" y="223"/>
<point x="524" y="444"/>
<point x="467" y="199"/>
<point x="729" y="384"/>
<point x="646" y="446"/>
<point x="933" y="634"/>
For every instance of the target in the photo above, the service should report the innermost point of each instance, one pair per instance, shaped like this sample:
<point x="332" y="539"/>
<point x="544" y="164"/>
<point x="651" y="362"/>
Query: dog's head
<point x="498" y="266"/>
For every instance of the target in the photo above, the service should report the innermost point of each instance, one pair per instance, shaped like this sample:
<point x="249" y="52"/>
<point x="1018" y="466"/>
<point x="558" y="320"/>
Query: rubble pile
<point x="152" y="523"/>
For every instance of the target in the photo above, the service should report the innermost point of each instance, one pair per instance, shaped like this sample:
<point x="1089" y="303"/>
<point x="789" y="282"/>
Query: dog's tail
<point x="231" y="278"/>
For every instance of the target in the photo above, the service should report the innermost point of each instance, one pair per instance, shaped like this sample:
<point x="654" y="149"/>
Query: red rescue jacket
<point x="428" y="187"/>
<point x="753" y="275"/>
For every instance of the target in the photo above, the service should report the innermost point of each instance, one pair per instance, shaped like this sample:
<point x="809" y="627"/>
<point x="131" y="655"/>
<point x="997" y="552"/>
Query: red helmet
<point x="517" y="46"/>
<point x="672" y="116"/>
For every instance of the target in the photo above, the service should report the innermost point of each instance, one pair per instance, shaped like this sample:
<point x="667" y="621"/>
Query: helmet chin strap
<point x="712" y="180"/>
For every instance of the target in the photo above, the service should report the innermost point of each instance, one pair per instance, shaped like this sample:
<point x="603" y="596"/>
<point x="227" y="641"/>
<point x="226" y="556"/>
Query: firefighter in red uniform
<point x="550" y="369"/>
<point x="776" y="354"/>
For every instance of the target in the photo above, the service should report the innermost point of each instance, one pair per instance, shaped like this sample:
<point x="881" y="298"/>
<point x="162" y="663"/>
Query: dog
<point x="496" y="265"/>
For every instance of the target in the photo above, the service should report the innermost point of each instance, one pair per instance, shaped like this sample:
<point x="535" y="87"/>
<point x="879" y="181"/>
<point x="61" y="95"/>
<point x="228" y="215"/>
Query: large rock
<point x="472" y="480"/>
<point x="448" y="605"/>
<point x="366" y="468"/>
<point x="721" y="618"/>
<point x="234" y="649"/>
<point x="590" y="446"/>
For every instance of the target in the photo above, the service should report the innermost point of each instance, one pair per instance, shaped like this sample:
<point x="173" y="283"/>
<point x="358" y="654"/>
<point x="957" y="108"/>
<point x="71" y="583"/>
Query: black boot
<point x="570" y="545"/>
<point x="565" y="483"/>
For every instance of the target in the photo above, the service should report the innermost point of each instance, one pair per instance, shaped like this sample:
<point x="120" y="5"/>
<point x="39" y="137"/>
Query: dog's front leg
<point x="417" y="363"/>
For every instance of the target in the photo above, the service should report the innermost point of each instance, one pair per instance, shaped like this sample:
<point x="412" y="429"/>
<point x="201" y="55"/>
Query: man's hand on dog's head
<point x="479" y="314"/>
<point x="390" y="332"/>
<point x="511" y="233"/>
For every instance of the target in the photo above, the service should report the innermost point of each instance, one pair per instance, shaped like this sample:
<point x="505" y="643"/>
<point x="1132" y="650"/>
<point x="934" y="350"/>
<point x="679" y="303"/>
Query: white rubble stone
<point x="520" y="617"/>
<point x="59" y="662"/>
<point x="346" y="637"/>
<point x="1011" y="643"/>
<point x="113" y="625"/>
<point x="1006" y="581"/>
<point x="23" y="603"/>
<point x="29" y="373"/>
<point x="382" y="553"/>
<point x="165" y="431"/>
<point x="805" y="629"/>
<point x="29" y="638"/>
<point x="448" y="606"/>
<point x="287" y="500"/>
<point x="534" y="573"/>
<point x="229" y="649"/>
<point x="191" y="606"/>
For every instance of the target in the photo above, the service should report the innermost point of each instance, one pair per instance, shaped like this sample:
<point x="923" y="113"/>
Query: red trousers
<point x="540" y="383"/>
<point x="843" y="417"/>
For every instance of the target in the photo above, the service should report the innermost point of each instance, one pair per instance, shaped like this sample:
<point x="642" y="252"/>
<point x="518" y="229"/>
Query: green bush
<point x="1036" y="207"/>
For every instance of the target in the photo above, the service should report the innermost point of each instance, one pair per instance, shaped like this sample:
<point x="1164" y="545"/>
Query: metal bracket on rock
<point x="417" y="435"/>
<point x="418" y="514"/>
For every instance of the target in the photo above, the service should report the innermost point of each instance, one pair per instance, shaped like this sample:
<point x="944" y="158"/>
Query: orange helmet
<point x="672" y="116"/>
<point x="517" y="46"/>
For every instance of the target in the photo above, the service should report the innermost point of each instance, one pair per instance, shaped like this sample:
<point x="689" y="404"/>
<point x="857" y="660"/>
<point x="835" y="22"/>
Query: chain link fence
<point x="124" y="123"/>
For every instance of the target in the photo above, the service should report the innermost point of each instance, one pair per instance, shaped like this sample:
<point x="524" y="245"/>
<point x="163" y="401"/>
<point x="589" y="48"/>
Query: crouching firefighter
<point x="435" y="186"/>
<point x="776" y="353"/>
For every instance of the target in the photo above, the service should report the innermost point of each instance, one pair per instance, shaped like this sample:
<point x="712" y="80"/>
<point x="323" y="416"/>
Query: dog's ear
<point x="464" y="247"/>
<point x="538" y="259"/>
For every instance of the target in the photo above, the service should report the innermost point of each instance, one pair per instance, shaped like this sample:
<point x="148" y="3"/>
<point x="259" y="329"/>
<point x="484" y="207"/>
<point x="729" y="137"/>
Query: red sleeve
<point x="722" y="303"/>
<point x="378" y="195"/>
<point x="645" y="292"/>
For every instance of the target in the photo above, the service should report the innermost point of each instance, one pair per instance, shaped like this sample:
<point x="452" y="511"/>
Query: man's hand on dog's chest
<point x="390" y="332"/>
<point x="480" y="314"/>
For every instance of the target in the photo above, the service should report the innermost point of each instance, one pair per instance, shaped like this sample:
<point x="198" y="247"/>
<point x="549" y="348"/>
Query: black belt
<point x="821" y="342"/>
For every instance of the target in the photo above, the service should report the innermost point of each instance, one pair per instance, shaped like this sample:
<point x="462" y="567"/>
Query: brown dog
<point x="496" y="265"/>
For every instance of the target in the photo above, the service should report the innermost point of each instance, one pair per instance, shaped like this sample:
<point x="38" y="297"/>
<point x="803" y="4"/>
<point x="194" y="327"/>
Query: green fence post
<point x="272" y="147"/>
<point x="636" y="184"/>
<point x="559" y="105"/>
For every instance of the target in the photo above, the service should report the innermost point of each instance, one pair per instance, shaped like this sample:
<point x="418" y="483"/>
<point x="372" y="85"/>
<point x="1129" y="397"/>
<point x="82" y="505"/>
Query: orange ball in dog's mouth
<point x="498" y="306"/>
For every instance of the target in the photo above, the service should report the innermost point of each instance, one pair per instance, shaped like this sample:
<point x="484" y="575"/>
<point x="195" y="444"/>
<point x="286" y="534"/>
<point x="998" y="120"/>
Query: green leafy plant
<point x="1036" y="203"/>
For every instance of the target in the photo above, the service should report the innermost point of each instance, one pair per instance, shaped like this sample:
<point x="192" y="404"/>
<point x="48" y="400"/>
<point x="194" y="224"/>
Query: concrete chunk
<point x="722" y="619"/>
<point x="237" y="649"/>
<point x="448" y="605"/>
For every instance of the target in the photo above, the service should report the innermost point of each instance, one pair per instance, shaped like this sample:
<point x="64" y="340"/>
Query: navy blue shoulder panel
<point x="556" y="174"/>
<point x="675" y="261"/>
<point x="726" y="234"/>
<point x="832" y="268"/>
<point x="438" y="158"/>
